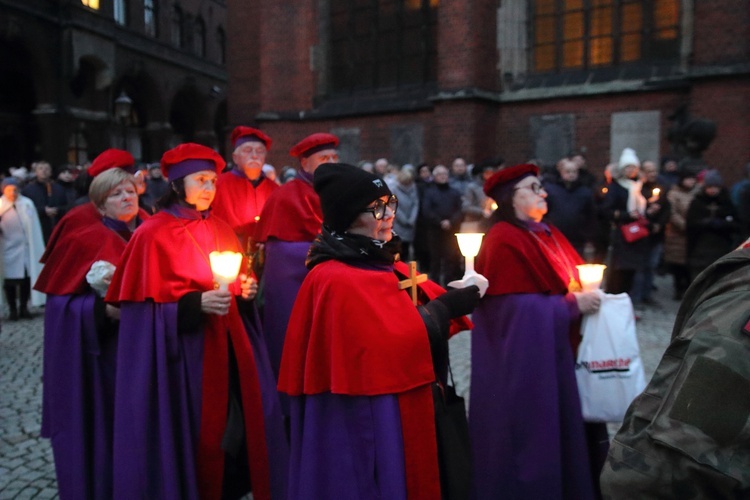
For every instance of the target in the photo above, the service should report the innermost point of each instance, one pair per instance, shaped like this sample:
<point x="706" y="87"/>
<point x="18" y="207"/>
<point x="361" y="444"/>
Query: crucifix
<point x="412" y="281"/>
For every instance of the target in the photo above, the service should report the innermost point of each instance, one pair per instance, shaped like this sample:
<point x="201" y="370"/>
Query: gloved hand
<point x="460" y="301"/>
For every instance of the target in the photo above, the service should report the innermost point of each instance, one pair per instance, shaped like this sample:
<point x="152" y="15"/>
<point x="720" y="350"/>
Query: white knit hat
<point x="628" y="157"/>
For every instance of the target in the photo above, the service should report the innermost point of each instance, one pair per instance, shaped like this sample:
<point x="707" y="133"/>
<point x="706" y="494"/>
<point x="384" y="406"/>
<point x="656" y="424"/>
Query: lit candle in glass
<point x="654" y="195"/>
<point x="591" y="276"/>
<point x="225" y="267"/>
<point x="469" y="244"/>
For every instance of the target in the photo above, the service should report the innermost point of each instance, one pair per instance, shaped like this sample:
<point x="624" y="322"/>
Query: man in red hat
<point x="242" y="192"/>
<point x="290" y="220"/>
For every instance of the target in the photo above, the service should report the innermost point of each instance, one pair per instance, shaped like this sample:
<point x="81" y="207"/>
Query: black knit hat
<point x="345" y="191"/>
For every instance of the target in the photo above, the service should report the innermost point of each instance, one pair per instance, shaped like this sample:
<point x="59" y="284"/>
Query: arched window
<point x="585" y="34"/>
<point x="199" y="38"/>
<point x="121" y="12"/>
<point x="178" y="35"/>
<point x="221" y="42"/>
<point x="150" y="18"/>
<point x="382" y="43"/>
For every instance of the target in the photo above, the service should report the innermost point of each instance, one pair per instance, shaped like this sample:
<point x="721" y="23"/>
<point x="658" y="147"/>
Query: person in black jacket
<point x="49" y="198"/>
<point x="441" y="208"/>
<point x="711" y="224"/>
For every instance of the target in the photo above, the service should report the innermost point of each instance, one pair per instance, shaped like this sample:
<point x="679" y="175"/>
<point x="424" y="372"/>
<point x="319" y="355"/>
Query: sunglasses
<point x="378" y="209"/>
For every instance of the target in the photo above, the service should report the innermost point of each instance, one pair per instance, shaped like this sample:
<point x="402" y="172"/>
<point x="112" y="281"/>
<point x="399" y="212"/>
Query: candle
<point x="225" y="267"/>
<point x="655" y="192"/>
<point x="591" y="276"/>
<point x="469" y="244"/>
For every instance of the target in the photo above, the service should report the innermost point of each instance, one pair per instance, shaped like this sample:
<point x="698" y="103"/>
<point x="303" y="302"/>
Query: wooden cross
<point x="412" y="281"/>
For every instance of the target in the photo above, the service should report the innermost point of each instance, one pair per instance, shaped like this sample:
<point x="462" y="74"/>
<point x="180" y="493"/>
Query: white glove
<point x="472" y="278"/>
<point x="100" y="276"/>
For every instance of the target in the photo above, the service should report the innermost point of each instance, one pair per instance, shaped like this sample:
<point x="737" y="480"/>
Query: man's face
<point x="440" y="175"/>
<point x="250" y="157"/>
<point x="43" y="172"/>
<point x="458" y="167"/>
<point x="312" y="162"/>
<point x="650" y="171"/>
<point x="155" y="173"/>
<point x="10" y="192"/>
<point x="569" y="171"/>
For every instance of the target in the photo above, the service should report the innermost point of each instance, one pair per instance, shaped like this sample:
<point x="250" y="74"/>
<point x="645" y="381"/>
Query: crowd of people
<point x="321" y="370"/>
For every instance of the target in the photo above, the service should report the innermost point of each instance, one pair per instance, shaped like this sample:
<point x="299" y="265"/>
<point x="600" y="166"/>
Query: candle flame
<point x="655" y="192"/>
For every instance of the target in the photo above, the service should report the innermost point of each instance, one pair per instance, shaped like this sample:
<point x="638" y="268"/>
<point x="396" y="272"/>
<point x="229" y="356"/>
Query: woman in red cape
<point x="80" y="339"/>
<point x="194" y="400"/>
<point x="357" y="358"/>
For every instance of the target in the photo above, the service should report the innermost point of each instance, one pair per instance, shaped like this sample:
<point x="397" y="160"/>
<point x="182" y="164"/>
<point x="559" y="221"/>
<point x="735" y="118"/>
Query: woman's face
<point x="122" y="202"/>
<point x="529" y="199"/>
<point x="688" y="182"/>
<point x="10" y="192"/>
<point x="366" y="225"/>
<point x="631" y="172"/>
<point x="200" y="189"/>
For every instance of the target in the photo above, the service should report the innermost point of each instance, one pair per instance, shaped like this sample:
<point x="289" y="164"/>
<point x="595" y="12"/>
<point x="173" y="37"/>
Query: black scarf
<point x="351" y="248"/>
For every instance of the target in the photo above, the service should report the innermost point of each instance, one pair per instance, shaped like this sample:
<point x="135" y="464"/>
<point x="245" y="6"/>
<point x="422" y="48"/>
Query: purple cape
<point x="526" y="429"/>
<point x="283" y="273"/>
<point x="158" y="406"/>
<point x="346" y="447"/>
<point x="78" y="396"/>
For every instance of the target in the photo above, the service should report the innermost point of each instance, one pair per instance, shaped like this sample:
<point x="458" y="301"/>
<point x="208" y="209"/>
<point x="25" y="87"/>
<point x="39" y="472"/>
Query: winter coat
<point x="675" y="239"/>
<point x="570" y="208"/>
<point x="625" y="256"/>
<point x="711" y="229"/>
<point x="408" y="209"/>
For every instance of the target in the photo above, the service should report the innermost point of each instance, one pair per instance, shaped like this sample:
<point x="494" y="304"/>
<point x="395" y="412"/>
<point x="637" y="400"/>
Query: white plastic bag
<point x="99" y="276"/>
<point x="609" y="370"/>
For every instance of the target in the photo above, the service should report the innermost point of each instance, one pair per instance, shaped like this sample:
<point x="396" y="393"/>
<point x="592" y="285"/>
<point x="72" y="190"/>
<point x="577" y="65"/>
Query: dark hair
<point x="175" y="194"/>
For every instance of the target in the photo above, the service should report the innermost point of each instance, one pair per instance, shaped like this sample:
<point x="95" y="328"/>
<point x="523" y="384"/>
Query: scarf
<point x="636" y="201"/>
<point x="352" y="249"/>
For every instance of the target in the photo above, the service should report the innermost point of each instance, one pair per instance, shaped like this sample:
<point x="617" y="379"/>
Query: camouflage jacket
<point x="688" y="434"/>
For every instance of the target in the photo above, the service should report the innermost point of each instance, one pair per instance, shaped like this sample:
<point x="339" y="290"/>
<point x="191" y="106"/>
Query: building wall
<point x="476" y="109"/>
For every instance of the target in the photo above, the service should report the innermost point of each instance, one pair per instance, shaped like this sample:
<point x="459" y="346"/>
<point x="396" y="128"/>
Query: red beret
<point x="314" y="143"/>
<point x="111" y="158"/>
<point x="248" y="132"/>
<point x="506" y="175"/>
<point x="189" y="158"/>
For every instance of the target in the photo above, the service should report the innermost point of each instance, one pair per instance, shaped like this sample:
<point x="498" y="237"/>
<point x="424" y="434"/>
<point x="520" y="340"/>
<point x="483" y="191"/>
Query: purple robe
<point x="283" y="273"/>
<point x="346" y="447"/>
<point x="78" y="395"/>
<point x="525" y="423"/>
<point x="158" y="406"/>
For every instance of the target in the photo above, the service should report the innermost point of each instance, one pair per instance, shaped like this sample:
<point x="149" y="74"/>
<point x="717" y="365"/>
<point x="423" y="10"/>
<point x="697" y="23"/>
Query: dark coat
<point x="711" y="228"/>
<point x="441" y="202"/>
<point x="570" y="208"/>
<point x="43" y="195"/>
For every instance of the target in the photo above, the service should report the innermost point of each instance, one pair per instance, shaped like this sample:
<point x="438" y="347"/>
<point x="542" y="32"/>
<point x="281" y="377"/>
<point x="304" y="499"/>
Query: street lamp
<point x="123" y="107"/>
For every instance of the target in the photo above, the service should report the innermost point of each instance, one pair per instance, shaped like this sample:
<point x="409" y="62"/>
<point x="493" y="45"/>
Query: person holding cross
<point x="357" y="360"/>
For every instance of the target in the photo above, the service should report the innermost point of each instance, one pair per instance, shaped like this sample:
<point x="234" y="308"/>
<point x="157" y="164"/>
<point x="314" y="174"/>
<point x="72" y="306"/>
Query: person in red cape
<point x="288" y="224"/>
<point x="242" y="192"/>
<point x="196" y="410"/>
<point x="357" y="361"/>
<point x="80" y="340"/>
<point x="527" y="433"/>
<point x="86" y="214"/>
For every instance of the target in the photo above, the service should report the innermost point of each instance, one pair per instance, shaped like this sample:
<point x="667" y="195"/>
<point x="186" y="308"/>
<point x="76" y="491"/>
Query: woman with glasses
<point x="196" y="408"/>
<point x="527" y="433"/>
<point x="357" y="358"/>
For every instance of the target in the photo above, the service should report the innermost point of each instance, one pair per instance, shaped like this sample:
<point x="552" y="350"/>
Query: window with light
<point x="91" y="4"/>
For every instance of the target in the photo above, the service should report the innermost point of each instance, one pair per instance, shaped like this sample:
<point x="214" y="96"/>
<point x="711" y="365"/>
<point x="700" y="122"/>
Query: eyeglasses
<point x="536" y="188"/>
<point x="378" y="209"/>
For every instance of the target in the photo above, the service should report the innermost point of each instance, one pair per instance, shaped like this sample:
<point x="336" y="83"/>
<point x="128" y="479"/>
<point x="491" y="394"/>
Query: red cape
<point x="239" y="203"/>
<point x="162" y="261"/>
<point x="291" y="213"/>
<point x="166" y="258"/>
<point x="353" y="332"/>
<point x="77" y="217"/>
<point x="514" y="262"/>
<point x="69" y="260"/>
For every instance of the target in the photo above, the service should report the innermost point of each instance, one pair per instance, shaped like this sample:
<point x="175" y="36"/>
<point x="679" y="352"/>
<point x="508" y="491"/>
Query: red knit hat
<point x="314" y="143"/>
<point x="507" y="178"/>
<point x="112" y="158"/>
<point x="189" y="158"/>
<point x="242" y="134"/>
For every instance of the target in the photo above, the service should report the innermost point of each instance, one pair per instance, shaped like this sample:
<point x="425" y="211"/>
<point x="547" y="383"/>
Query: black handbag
<point x="454" y="452"/>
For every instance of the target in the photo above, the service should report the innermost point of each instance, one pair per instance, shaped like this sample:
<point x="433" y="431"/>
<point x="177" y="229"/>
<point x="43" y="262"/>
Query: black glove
<point x="460" y="301"/>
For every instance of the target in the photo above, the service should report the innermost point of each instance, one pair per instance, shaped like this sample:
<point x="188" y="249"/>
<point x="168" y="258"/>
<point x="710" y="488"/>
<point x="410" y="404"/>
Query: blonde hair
<point x="106" y="182"/>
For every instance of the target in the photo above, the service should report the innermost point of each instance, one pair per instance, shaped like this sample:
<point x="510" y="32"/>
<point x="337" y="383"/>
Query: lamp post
<point x="123" y="107"/>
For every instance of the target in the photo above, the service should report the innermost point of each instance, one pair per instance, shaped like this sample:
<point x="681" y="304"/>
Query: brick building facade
<point x="425" y="81"/>
<point x="64" y="63"/>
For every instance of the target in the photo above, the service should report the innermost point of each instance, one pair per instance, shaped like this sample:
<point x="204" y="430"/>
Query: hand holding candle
<point x="469" y="244"/>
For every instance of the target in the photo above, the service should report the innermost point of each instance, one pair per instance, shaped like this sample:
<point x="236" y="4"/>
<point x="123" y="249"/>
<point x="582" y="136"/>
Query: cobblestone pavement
<point x="26" y="464"/>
